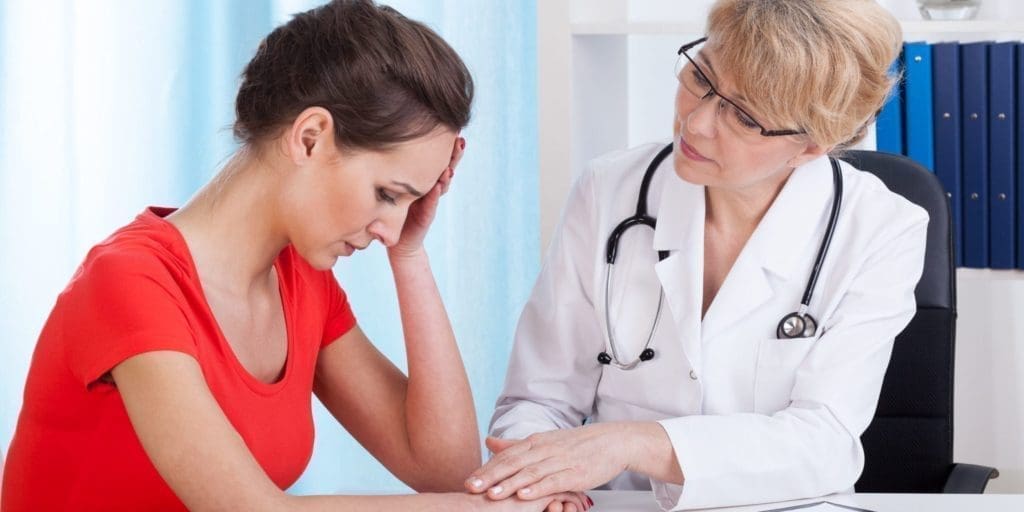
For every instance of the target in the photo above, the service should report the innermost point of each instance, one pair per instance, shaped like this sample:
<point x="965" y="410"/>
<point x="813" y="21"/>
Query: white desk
<point x="643" y="501"/>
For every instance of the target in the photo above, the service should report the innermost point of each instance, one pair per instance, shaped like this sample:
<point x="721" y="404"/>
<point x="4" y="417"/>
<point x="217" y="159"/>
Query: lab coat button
<point x="693" y="375"/>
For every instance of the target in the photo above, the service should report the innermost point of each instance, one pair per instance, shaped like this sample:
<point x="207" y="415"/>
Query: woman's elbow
<point x="447" y="475"/>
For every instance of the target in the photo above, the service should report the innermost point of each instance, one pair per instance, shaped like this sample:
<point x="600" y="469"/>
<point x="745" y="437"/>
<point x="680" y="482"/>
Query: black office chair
<point x="909" y="445"/>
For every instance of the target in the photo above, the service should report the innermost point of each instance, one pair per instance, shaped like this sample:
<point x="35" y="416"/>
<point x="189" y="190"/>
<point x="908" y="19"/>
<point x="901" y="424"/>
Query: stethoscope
<point x="799" y="324"/>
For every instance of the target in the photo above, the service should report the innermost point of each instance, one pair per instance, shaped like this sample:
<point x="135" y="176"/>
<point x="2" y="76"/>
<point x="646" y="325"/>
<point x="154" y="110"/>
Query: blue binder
<point x="974" y="77"/>
<point x="946" y="112"/>
<point x="1020" y="156"/>
<point x="918" y="101"/>
<point x="889" y="125"/>
<point x="1002" y="153"/>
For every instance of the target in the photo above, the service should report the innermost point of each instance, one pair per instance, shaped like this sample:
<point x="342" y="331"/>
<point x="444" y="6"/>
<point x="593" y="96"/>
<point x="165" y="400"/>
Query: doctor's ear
<point x="811" y="152"/>
<point x="311" y="135"/>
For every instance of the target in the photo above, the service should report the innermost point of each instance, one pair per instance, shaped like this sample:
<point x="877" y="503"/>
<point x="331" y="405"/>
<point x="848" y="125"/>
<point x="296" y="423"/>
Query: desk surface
<point x="643" y="501"/>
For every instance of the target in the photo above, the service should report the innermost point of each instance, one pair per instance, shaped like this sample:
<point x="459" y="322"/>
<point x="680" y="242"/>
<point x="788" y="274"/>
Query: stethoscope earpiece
<point x="604" y="358"/>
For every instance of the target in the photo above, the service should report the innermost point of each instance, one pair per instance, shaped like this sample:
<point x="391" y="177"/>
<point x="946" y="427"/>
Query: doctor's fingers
<point x="508" y="462"/>
<point x="525" y="481"/>
<point x="497" y="445"/>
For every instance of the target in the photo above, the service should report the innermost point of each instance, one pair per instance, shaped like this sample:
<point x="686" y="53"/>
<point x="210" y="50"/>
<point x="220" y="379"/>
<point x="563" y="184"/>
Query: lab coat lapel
<point x="777" y="244"/>
<point x="680" y="230"/>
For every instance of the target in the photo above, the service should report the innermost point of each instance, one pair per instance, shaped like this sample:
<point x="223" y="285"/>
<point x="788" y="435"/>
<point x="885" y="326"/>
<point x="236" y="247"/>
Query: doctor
<point x="734" y="353"/>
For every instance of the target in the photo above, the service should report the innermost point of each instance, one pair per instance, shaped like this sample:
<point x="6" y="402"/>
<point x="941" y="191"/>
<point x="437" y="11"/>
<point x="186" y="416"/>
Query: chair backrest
<point x="909" y="445"/>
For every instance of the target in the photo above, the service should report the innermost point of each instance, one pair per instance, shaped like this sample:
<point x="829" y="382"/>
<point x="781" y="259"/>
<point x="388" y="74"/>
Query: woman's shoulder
<point x="148" y="247"/>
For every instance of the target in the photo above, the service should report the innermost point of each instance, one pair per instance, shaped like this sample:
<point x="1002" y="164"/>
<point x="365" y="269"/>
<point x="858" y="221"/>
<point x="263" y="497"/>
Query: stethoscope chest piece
<point x="796" y="325"/>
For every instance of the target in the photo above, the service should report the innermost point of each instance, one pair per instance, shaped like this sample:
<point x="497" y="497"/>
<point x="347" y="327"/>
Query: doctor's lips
<point x="690" y="152"/>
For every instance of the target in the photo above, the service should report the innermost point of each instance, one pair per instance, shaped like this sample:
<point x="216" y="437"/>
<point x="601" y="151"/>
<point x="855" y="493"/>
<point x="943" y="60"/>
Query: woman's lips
<point x="690" y="152"/>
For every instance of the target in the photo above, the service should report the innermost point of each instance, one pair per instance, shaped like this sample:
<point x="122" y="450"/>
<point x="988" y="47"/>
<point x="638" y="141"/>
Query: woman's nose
<point x="387" y="230"/>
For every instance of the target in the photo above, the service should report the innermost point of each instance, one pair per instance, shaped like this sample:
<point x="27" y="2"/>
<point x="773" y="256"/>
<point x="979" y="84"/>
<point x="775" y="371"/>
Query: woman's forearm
<point x="448" y="502"/>
<point x="440" y="416"/>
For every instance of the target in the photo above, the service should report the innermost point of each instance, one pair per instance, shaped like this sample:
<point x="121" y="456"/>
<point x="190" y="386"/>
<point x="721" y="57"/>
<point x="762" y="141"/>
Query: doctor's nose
<point x="703" y="119"/>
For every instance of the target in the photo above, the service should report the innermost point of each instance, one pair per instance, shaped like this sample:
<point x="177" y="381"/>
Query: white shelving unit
<point x="915" y="27"/>
<point x="606" y="84"/>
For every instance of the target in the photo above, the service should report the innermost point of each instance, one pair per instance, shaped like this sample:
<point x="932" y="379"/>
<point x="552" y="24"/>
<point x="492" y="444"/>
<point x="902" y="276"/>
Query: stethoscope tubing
<point x="807" y="323"/>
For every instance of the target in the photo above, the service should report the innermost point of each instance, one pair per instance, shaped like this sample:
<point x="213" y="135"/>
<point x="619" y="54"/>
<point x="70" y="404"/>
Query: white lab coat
<point x="752" y="419"/>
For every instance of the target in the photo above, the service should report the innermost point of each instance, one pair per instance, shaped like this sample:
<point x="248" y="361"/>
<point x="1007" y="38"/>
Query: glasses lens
<point x="738" y="121"/>
<point x="693" y="80"/>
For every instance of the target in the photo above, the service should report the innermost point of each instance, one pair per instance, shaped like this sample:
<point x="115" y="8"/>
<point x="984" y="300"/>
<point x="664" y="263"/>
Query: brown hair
<point x="820" y="65"/>
<point x="384" y="78"/>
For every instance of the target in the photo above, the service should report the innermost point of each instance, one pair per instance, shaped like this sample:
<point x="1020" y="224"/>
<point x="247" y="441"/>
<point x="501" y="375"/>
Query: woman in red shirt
<point x="176" y="369"/>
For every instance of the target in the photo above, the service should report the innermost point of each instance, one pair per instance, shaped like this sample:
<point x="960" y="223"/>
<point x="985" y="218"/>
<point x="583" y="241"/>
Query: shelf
<point x="917" y="27"/>
<point x="635" y="28"/>
<point x="988" y="274"/>
<point x="962" y="27"/>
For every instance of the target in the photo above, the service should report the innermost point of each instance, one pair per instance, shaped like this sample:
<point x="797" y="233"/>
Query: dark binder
<point x="974" y="77"/>
<point x="946" y="112"/>
<point x="1002" y="153"/>
<point x="1020" y="155"/>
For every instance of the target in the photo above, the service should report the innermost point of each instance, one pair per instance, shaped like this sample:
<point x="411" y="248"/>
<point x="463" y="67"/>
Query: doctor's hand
<point x="421" y="212"/>
<point x="566" y="502"/>
<point x="568" y="460"/>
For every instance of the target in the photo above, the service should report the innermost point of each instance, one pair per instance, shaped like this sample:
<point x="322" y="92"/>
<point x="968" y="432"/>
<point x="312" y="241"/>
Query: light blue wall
<point x="106" y="107"/>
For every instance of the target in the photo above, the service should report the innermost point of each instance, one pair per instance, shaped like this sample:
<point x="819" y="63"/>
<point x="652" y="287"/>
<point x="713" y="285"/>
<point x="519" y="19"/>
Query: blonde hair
<point x="822" y="66"/>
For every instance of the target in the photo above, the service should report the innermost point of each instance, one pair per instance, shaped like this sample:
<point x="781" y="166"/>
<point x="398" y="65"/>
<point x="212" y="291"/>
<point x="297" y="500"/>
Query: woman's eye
<point x="382" y="195"/>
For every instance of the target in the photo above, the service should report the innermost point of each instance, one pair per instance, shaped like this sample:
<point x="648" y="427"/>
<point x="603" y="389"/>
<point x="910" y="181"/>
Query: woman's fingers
<point x="566" y="500"/>
<point x="446" y="179"/>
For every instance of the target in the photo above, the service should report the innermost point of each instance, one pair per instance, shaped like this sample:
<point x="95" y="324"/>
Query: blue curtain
<point x="106" y="107"/>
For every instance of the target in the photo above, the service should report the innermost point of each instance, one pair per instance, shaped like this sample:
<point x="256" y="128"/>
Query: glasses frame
<point x="764" y="132"/>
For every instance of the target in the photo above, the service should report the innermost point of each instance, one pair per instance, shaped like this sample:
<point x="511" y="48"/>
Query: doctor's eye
<point x="382" y="195"/>
<point x="699" y="79"/>
<point x="743" y="119"/>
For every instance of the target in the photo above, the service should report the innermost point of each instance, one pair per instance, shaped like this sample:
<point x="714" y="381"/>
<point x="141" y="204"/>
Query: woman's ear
<point x="310" y="135"/>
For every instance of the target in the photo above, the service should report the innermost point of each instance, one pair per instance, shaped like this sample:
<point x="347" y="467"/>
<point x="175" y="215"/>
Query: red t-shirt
<point x="138" y="291"/>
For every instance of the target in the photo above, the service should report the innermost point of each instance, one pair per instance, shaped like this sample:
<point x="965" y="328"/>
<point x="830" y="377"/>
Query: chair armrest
<point x="969" y="479"/>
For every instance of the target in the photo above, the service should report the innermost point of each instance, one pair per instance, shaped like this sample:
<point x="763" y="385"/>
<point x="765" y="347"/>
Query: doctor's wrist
<point x="650" y="452"/>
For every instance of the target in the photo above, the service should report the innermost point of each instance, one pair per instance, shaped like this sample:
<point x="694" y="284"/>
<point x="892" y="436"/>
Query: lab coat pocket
<point x="777" y="362"/>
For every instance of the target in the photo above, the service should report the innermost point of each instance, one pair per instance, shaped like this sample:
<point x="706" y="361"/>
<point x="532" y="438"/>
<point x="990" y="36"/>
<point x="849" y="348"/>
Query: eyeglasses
<point x="696" y="82"/>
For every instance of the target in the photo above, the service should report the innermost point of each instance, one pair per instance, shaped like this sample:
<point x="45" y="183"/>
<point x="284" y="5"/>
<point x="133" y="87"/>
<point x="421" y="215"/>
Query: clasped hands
<point x="560" y="463"/>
